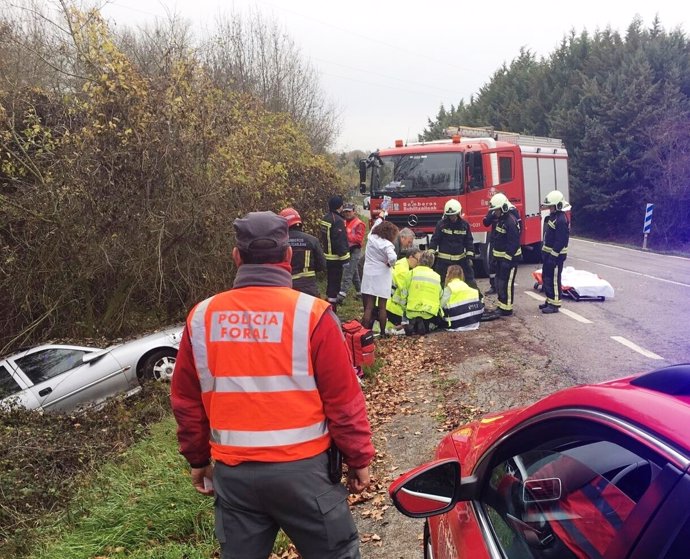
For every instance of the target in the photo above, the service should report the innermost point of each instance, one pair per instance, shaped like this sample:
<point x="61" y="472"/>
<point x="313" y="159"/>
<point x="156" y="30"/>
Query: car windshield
<point x="48" y="363"/>
<point x="418" y="174"/>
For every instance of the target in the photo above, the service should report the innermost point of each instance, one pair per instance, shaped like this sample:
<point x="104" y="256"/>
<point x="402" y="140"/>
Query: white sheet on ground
<point x="586" y="283"/>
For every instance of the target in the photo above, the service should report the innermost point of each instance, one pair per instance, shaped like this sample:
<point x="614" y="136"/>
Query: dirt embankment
<point x="427" y="387"/>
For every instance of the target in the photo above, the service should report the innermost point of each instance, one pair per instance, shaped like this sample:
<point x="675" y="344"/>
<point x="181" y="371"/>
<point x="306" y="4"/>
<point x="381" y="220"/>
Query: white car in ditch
<point x="66" y="377"/>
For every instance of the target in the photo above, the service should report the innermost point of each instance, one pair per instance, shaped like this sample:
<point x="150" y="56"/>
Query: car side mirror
<point x="428" y="490"/>
<point x="362" y="176"/>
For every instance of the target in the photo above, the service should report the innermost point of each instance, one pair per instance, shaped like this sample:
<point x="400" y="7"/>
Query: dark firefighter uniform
<point x="336" y="249"/>
<point x="490" y="220"/>
<point x="307" y="259"/>
<point x="454" y="244"/>
<point x="554" y="252"/>
<point x="506" y="253"/>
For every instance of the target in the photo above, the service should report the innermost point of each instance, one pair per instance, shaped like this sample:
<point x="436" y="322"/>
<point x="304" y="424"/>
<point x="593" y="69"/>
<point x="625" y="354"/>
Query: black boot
<point x="550" y="309"/>
<point x="543" y="305"/>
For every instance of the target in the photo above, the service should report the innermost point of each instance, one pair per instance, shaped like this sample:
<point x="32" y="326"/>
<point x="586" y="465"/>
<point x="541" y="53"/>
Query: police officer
<point x="453" y="243"/>
<point x="505" y="252"/>
<point x="554" y="249"/>
<point x="307" y="255"/>
<point x="263" y="385"/>
<point x="335" y="248"/>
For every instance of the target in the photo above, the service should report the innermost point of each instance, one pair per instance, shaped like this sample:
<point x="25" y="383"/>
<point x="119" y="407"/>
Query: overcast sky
<point x="388" y="66"/>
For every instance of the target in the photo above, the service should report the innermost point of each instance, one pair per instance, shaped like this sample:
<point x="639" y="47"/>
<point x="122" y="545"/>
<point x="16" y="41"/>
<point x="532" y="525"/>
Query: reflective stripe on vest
<point x="463" y="307"/>
<point x="253" y="356"/>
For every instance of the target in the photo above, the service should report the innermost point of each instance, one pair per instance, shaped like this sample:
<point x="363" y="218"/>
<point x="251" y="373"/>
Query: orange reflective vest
<point x="252" y="351"/>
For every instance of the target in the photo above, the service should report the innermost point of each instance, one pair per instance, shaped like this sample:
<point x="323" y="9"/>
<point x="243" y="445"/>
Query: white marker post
<point x="647" y="227"/>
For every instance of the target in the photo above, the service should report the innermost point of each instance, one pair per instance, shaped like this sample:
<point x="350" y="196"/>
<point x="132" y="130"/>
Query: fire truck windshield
<point x="418" y="174"/>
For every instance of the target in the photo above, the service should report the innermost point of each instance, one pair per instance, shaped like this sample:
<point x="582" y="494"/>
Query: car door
<point x="570" y="487"/>
<point x="61" y="380"/>
<point x="14" y="389"/>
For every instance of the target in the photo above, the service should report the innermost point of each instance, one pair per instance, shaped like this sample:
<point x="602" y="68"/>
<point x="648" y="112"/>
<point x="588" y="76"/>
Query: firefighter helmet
<point x="452" y="207"/>
<point x="499" y="201"/>
<point x="293" y="218"/>
<point x="555" y="198"/>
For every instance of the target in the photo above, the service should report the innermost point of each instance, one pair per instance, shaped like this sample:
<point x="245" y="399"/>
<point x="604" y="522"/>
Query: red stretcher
<point x="579" y="285"/>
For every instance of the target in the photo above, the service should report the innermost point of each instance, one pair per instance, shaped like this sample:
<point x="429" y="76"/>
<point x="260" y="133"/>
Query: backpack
<point x="360" y="343"/>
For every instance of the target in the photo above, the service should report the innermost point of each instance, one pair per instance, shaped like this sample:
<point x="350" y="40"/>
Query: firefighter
<point x="461" y="306"/>
<point x="490" y="220"/>
<point x="355" y="239"/>
<point x="554" y="249"/>
<point x="505" y="252"/>
<point x="423" y="296"/>
<point x="263" y="385"/>
<point x="335" y="248"/>
<point x="307" y="255"/>
<point x="452" y="240"/>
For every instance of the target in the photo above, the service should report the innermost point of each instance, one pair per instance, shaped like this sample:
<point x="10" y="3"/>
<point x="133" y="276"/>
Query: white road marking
<point x="566" y="312"/>
<point x="635" y="347"/>
<point x="631" y="272"/>
<point x="576" y="316"/>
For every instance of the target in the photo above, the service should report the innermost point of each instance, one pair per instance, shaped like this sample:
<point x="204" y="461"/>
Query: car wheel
<point x="428" y="553"/>
<point x="159" y="365"/>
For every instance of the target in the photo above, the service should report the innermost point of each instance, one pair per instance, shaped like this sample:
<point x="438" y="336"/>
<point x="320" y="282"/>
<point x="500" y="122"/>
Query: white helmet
<point x="452" y="207"/>
<point x="555" y="198"/>
<point x="499" y="202"/>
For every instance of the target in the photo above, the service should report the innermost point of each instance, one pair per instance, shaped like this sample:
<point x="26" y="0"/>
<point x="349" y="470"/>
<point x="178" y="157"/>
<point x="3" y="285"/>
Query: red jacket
<point x="343" y="400"/>
<point x="355" y="232"/>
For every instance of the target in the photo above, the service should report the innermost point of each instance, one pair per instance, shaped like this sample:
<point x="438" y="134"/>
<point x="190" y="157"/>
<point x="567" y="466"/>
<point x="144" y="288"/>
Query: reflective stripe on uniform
<point x="199" y="350"/>
<point x="257" y="439"/>
<point x="452" y="257"/>
<point x="304" y="275"/>
<point x="300" y="335"/>
<point x="278" y="383"/>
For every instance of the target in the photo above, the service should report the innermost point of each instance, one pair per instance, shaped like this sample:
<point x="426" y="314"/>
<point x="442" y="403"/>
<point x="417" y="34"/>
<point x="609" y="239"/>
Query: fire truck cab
<point x="472" y="165"/>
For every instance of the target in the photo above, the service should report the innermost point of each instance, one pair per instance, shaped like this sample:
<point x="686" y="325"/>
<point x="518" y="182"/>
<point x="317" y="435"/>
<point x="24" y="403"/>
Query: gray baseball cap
<point x="261" y="231"/>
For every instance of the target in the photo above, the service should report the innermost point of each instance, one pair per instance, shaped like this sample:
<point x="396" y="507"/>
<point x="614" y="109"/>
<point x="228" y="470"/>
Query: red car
<point x="595" y="471"/>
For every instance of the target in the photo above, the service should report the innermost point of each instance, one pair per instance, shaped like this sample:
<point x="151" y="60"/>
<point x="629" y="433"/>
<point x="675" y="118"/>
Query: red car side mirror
<point x="428" y="490"/>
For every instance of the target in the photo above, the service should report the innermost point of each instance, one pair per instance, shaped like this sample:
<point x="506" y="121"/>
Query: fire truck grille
<point x="415" y="221"/>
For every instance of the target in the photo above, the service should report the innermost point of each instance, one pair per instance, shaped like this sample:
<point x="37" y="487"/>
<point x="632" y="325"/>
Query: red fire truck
<point x="471" y="166"/>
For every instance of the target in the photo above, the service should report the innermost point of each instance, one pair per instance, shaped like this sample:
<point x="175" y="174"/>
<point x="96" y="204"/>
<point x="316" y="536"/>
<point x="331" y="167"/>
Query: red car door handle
<point x="45" y="391"/>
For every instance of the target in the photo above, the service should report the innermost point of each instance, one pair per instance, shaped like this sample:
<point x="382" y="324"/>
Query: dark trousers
<point x="441" y="267"/>
<point x="505" y="284"/>
<point x="551" y="271"/>
<point x="334" y="276"/>
<point x="255" y="499"/>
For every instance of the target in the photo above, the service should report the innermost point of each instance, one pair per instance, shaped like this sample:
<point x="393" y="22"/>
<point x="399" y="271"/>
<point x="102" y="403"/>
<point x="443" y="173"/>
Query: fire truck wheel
<point x="482" y="265"/>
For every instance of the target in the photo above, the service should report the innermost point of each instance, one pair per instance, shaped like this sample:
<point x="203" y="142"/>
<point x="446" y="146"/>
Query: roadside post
<point x="647" y="227"/>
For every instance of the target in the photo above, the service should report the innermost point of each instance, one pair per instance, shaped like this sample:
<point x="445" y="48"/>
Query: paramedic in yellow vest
<point x="554" y="250"/>
<point x="263" y="384"/>
<point x="423" y="296"/>
<point x="462" y="309"/>
<point x="395" y="306"/>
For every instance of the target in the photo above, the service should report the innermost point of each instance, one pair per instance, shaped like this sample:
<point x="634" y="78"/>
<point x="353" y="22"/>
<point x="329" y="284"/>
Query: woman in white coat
<point x="377" y="278"/>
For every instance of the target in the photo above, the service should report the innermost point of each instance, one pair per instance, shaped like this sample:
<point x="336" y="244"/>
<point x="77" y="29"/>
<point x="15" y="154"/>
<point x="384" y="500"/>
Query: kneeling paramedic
<point x="263" y="385"/>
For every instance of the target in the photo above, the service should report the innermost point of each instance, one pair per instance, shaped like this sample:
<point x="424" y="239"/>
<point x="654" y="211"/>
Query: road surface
<point x="645" y="326"/>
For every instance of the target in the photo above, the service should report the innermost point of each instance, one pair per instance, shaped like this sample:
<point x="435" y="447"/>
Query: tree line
<point x="124" y="158"/>
<point x="621" y="104"/>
